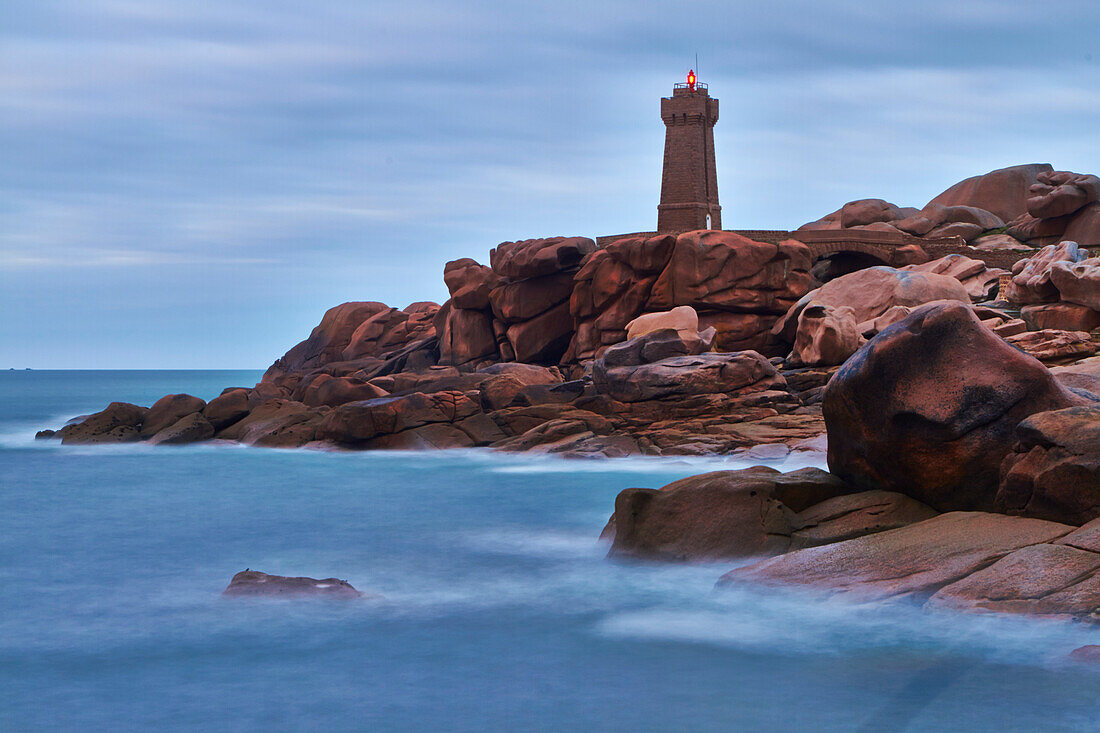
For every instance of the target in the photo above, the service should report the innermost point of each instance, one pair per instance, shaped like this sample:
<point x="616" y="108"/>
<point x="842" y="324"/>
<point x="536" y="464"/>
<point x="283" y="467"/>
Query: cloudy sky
<point x="192" y="184"/>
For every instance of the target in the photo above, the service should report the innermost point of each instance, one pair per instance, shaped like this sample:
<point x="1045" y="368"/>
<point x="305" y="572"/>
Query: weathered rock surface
<point x="735" y="285"/>
<point x="277" y="423"/>
<point x="929" y="407"/>
<point x="356" y="422"/>
<point x="1053" y="471"/>
<point x="227" y="408"/>
<point x="1059" y="193"/>
<point x="1003" y="192"/>
<point x="192" y="428"/>
<point x="717" y="515"/>
<point x="328" y="340"/>
<point x="1053" y="345"/>
<point x="825" y="335"/>
<point x="855" y="515"/>
<point x="915" y="560"/>
<point x="978" y="278"/>
<point x="687" y="375"/>
<point x="1078" y="282"/>
<point x="872" y="292"/>
<point x="120" y="422"/>
<point x="1032" y="284"/>
<point x="168" y="410"/>
<point x="253" y="583"/>
<point x="1060" y="317"/>
<point x="1040" y="580"/>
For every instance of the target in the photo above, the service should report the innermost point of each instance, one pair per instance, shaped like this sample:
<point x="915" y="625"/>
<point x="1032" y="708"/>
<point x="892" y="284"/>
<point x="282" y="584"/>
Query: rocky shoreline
<point x="960" y="404"/>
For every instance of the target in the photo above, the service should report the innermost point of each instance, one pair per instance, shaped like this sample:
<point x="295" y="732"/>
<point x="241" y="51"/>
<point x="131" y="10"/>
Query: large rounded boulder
<point x="929" y="408"/>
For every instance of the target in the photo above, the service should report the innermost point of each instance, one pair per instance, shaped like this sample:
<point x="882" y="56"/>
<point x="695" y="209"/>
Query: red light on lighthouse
<point x="691" y="79"/>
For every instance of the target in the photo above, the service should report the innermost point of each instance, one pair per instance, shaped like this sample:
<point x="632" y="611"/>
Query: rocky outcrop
<point x="717" y="515"/>
<point x="1053" y="345"/>
<point x="1060" y="193"/>
<point x="253" y="583"/>
<point x="917" y="560"/>
<point x="827" y="335"/>
<point x="120" y="422"/>
<point x="192" y="428"/>
<point x="1053" y="470"/>
<point x="1077" y="282"/>
<point x="929" y="408"/>
<point x="1060" y="317"/>
<point x="855" y="515"/>
<point x="1003" y="192"/>
<point x="227" y="408"/>
<point x="465" y="322"/>
<point x="1032" y="284"/>
<point x="530" y="303"/>
<point x="168" y="410"/>
<point x="976" y="277"/>
<point x="328" y="340"/>
<point x="735" y="285"/>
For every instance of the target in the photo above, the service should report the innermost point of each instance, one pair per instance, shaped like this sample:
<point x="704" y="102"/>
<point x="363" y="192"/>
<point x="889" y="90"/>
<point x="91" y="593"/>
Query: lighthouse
<point x="689" y="183"/>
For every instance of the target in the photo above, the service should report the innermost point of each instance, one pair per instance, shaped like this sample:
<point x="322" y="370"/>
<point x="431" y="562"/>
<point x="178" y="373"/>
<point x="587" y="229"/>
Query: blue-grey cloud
<point x="192" y="184"/>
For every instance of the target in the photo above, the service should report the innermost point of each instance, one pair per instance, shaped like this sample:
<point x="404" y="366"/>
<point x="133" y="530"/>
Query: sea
<point x="499" y="609"/>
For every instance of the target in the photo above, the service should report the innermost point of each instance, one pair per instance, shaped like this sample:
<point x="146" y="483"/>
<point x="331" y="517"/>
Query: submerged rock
<point x="254" y="583"/>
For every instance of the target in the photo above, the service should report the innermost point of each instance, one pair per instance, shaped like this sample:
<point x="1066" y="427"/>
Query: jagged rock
<point x="652" y="347"/>
<point x="168" y="410"/>
<point x="544" y="338"/>
<point x="250" y="583"/>
<point x="1049" y="344"/>
<point x="193" y="428"/>
<point x="1053" y="471"/>
<point x="1059" y="193"/>
<point x="1040" y="580"/>
<point x="929" y="407"/>
<point x="1060" y="317"/>
<point x="1032" y="284"/>
<point x="120" y="422"/>
<point x="1003" y="192"/>
<point x="855" y="515"/>
<point x="227" y="408"/>
<point x="915" y="560"/>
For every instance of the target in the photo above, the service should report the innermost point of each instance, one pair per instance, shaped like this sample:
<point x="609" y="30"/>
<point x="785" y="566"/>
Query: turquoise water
<point x="500" y="610"/>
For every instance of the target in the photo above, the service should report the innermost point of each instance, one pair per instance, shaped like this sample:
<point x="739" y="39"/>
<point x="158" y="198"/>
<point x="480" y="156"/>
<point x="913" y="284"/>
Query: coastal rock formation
<point x="717" y="515"/>
<point x="227" y="408"/>
<point x="167" y="411"/>
<point x="929" y="408"/>
<point x="917" y="560"/>
<point x="1053" y="470"/>
<point x="531" y="302"/>
<point x="192" y="428"/>
<point x="120" y="422"/>
<point x="1059" y="193"/>
<point x="253" y="583"/>
<point x="736" y="285"/>
<point x="828" y="336"/>
<point x="1040" y="580"/>
<point x="1060" y="317"/>
<point x="855" y="515"/>
<point x="684" y="375"/>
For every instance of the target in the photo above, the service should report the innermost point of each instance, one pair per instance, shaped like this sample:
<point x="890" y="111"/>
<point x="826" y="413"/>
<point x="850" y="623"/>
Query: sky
<point x="192" y="184"/>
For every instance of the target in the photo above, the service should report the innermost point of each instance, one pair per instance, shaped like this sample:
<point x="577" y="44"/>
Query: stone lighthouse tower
<point x="689" y="185"/>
